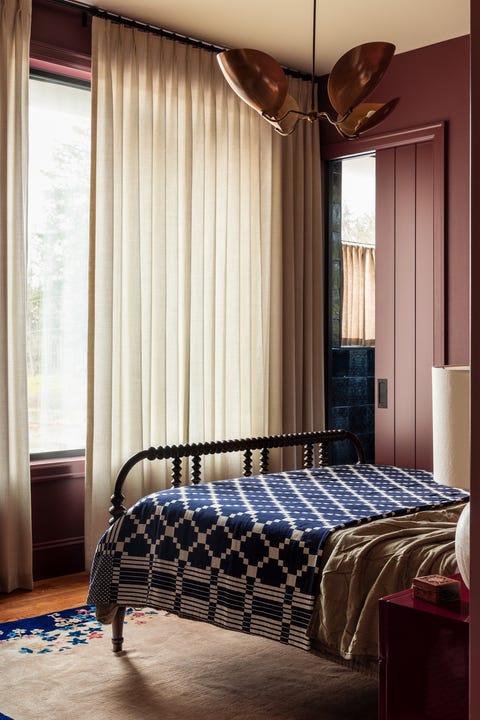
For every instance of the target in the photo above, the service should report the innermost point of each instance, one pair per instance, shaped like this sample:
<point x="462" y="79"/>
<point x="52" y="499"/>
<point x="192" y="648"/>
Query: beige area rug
<point x="171" y="669"/>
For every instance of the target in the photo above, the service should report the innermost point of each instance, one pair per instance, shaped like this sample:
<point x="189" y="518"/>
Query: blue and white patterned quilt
<point x="244" y="553"/>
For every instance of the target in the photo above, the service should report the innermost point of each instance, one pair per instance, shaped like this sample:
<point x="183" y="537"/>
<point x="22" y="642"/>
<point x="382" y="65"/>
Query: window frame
<point x="60" y="52"/>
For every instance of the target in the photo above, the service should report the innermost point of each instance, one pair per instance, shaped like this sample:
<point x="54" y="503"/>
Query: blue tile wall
<point x="351" y="399"/>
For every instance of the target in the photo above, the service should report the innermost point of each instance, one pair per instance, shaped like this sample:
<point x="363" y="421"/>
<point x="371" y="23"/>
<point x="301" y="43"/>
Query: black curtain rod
<point x="163" y="32"/>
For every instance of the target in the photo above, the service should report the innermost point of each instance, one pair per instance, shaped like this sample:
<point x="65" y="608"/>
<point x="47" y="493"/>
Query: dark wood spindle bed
<point x="225" y="551"/>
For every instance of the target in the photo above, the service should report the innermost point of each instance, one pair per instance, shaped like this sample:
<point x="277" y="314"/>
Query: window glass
<point x="358" y="200"/>
<point x="358" y="250"/>
<point x="58" y="219"/>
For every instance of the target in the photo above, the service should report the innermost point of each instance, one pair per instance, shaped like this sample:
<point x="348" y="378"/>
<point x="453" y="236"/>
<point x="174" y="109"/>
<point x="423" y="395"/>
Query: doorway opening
<point x="350" y="367"/>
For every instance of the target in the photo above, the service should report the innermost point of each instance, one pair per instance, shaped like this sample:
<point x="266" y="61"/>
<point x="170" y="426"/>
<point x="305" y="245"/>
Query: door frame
<point x="435" y="133"/>
<point x="392" y="434"/>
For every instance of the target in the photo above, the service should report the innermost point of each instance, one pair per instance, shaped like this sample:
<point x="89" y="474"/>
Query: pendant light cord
<point x="314" y="104"/>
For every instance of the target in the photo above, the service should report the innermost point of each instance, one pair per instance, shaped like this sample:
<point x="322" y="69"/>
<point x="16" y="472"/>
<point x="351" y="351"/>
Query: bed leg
<point x="117" y="630"/>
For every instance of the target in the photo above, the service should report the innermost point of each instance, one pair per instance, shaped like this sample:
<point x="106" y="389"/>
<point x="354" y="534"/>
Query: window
<point x="358" y="250"/>
<point x="58" y="220"/>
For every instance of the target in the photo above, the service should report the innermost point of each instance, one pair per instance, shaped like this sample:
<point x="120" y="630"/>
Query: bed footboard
<point x="308" y="440"/>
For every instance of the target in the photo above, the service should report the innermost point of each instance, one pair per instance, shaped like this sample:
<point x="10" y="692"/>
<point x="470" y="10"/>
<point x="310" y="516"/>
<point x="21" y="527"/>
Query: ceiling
<point x="284" y="29"/>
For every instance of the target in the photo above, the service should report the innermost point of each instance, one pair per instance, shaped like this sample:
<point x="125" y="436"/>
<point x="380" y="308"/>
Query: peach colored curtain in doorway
<point x="358" y="304"/>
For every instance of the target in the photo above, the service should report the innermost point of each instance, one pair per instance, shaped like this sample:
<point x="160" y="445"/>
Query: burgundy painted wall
<point x="475" y="361"/>
<point x="58" y="488"/>
<point x="60" y="39"/>
<point x="433" y="85"/>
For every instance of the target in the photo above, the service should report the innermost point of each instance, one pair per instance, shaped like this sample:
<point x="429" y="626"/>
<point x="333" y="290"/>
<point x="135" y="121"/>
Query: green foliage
<point x="358" y="229"/>
<point x="57" y="252"/>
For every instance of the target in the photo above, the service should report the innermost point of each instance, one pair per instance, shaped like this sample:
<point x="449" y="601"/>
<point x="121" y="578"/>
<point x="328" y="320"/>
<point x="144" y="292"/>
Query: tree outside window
<point x="58" y="219"/>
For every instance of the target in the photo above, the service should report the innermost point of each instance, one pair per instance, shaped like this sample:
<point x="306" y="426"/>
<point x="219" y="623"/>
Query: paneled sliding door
<point x="409" y="287"/>
<point x="409" y="297"/>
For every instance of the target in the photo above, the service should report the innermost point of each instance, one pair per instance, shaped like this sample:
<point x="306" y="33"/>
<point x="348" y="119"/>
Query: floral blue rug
<point x="61" y="665"/>
<point x="61" y="631"/>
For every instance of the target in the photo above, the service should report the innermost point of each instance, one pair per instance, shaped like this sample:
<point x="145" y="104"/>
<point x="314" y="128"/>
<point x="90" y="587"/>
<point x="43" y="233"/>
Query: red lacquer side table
<point x="423" y="651"/>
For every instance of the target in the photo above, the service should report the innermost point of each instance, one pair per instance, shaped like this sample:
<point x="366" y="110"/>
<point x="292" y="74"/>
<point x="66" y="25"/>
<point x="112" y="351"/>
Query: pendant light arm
<point x="311" y="115"/>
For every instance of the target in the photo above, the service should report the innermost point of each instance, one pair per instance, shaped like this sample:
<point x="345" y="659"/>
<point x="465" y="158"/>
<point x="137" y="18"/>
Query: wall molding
<point x="56" y="469"/>
<point x="58" y="489"/>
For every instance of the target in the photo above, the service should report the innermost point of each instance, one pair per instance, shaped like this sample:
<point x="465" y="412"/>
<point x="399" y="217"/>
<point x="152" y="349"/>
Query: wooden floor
<point x="49" y="595"/>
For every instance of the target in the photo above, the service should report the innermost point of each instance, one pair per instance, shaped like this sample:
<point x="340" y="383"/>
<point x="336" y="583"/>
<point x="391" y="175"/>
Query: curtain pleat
<point x="194" y="203"/>
<point x="15" y="512"/>
<point x="302" y="273"/>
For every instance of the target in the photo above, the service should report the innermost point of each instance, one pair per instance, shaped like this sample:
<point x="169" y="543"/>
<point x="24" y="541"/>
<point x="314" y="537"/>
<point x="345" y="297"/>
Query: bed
<point x="300" y="556"/>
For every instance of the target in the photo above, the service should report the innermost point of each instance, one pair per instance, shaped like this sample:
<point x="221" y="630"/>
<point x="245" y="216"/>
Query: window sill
<point x="57" y="468"/>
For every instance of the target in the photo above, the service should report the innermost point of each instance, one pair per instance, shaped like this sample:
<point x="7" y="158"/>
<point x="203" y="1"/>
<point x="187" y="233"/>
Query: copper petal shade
<point x="357" y="73"/>
<point x="288" y="117"/>
<point x="364" y="117"/>
<point x="256" y="77"/>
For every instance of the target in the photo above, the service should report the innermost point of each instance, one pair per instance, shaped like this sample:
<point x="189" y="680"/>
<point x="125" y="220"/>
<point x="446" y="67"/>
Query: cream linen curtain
<point x="15" y="516"/>
<point x="358" y="304"/>
<point x="191" y="193"/>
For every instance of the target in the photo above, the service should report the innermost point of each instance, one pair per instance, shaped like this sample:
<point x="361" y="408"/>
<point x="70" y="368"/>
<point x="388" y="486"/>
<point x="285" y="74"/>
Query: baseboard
<point x="58" y="557"/>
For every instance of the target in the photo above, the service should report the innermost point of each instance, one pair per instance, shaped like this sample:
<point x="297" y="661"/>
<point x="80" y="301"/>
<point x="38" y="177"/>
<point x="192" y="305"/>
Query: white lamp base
<point x="462" y="544"/>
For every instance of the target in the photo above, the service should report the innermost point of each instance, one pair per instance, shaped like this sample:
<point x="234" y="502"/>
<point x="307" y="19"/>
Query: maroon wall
<point x="60" y="39"/>
<point x="57" y="516"/>
<point x="433" y="84"/>
<point x="475" y="362"/>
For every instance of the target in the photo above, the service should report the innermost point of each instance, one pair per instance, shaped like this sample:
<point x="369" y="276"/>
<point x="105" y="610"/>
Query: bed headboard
<point x="196" y="451"/>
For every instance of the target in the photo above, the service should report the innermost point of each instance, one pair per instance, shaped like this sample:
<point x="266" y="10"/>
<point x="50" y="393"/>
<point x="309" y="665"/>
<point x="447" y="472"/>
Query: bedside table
<point x="423" y="656"/>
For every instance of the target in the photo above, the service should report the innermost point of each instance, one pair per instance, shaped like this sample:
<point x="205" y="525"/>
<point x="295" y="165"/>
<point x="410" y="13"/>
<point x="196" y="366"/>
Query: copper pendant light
<point x="259" y="80"/>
